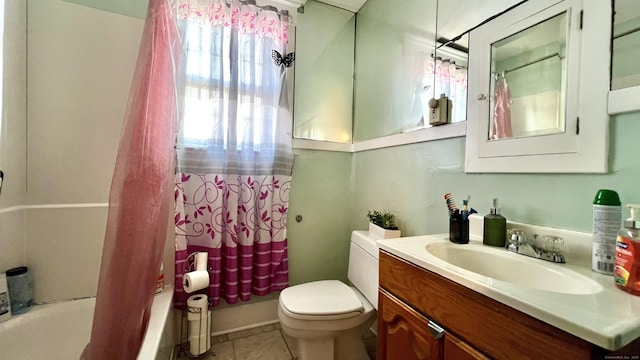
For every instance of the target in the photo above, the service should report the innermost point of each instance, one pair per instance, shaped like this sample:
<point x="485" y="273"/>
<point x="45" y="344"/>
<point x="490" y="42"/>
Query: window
<point x="233" y="88"/>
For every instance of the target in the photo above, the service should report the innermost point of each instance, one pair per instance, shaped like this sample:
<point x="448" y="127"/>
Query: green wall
<point x="333" y="192"/>
<point x="320" y="193"/>
<point x="412" y="179"/>
<point x="133" y="8"/>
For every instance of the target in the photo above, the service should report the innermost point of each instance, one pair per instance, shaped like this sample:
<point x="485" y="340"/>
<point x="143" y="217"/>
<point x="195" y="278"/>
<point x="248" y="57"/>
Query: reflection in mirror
<point x="457" y="18"/>
<point x="454" y="21"/>
<point x="394" y="43"/>
<point x="448" y="74"/>
<point x="325" y="38"/>
<point x="625" y="62"/>
<point x="528" y="72"/>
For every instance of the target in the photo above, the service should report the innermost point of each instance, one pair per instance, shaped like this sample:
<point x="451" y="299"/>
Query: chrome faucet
<point x="540" y="247"/>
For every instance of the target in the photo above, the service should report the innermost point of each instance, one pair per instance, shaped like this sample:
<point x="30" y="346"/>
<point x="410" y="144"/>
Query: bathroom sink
<point x="519" y="270"/>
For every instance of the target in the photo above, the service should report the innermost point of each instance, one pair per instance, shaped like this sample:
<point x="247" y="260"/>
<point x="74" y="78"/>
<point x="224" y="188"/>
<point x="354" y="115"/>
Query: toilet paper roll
<point x="195" y="280"/>
<point x="197" y="306"/>
<point x="198" y="345"/>
<point x="201" y="261"/>
<point x="199" y="318"/>
<point x="198" y="301"/>
<point x="200" y="327"/>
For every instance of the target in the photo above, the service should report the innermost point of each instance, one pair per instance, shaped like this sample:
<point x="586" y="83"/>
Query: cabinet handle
<point x="435" y="330"/>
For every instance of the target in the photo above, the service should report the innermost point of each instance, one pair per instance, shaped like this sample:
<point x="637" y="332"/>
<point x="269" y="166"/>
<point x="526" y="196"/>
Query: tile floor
<point x="263" y="343"/>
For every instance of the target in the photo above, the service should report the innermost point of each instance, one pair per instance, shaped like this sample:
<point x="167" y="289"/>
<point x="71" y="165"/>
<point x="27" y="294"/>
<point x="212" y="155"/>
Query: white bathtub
<point x="61" y="330"/>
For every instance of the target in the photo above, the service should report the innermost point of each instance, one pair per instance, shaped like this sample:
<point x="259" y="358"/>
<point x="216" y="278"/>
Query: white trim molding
<point x="53" y="206"/>
<point x="624" y="100"/>
<point x="458" y="129"/>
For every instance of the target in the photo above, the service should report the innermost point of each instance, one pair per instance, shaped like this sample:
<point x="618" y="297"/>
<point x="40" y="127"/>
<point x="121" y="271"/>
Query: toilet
<point x="328" y="318"/>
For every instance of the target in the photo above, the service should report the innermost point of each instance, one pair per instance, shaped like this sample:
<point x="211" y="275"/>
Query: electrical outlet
<point x="440" y="111"/>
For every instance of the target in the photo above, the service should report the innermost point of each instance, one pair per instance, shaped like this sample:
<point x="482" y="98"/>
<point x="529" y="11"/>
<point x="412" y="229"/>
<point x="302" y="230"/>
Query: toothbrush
<point x="450" y="203"/>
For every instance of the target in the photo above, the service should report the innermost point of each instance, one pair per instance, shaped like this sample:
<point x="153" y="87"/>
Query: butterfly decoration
<point x="279" y="60"/>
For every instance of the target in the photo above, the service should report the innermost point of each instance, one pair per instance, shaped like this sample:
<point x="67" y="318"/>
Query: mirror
<point x="625" y="57"/>
<point x="528" y="81"/>
<point x="394" y="43"/>
<point x="452" y="47"/>
<point x="394" y="55"/>
<point x="537" y="89"/>
<point x="625" y="60"/>
<point x="325" y="38"/>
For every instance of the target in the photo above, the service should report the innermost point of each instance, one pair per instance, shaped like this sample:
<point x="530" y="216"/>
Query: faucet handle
<point x="553" y="244"/>
<point x="516" y="236"/>
<point x="545" y="247"/>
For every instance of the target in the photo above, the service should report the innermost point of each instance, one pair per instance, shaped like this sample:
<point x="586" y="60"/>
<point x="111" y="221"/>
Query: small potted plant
<point x="382" y="225"/>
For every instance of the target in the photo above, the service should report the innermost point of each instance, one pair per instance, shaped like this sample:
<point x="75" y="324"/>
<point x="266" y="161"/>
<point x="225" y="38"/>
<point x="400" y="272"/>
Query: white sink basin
<point x="568" y="296"/>
<point x="519" y="270"/>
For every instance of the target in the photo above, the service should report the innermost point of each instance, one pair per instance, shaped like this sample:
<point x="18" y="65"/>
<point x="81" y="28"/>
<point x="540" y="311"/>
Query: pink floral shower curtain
<point x="234" y="148"/>
<point x="139" y="199"/>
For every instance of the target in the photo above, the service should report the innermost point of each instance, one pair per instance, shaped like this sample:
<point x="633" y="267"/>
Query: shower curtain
<point x="234" y="149"/>
<point x="139" y="198"/>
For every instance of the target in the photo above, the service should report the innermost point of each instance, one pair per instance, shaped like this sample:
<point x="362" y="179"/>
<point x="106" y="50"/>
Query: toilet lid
<point x="321" y="298"/>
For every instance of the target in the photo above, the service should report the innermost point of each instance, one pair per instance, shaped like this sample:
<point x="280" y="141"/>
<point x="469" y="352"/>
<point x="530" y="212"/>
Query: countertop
<point x="609" y="318"/>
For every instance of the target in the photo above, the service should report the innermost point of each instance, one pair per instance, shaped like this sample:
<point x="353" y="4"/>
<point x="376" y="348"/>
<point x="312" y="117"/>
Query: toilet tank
<point x="363" y="265"/>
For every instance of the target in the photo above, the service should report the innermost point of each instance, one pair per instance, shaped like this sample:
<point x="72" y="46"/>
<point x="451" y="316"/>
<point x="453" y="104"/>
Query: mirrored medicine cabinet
<point x="552" y="54"/>
<point x="538" y="83"/>
<point x="625" y="60"/>
<point x="383" y="97"/>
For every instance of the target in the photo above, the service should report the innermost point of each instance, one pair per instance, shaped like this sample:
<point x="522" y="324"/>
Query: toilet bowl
<point x="328" y="318"/>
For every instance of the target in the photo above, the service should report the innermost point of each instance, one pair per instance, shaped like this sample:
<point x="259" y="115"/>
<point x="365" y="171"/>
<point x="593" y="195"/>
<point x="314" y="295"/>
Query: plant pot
<point x="379" y="233"/>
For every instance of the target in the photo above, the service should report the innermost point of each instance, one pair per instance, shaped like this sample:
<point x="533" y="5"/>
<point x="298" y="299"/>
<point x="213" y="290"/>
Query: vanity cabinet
<point x="475" y="326"/>
<point x="404" y="333"/>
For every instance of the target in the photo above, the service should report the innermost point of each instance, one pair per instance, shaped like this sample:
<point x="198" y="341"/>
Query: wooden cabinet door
<point x="456" y="349"/>
<point x="403" y="333"/>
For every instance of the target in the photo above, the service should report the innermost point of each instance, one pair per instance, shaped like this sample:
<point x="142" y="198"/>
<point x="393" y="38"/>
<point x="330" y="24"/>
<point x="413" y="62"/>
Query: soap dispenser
<point x="627" y="262"/>
<point x="495" y="227"/>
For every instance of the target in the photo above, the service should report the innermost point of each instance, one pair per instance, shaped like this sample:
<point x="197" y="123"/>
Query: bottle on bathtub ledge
<point x="160" y="281"/>
<point x="5" y="307"/>
<point x="20" y="285"/>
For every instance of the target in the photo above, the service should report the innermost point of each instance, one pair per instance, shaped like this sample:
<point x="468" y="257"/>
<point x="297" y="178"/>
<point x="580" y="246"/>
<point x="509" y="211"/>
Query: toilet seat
<point x="321" y="300"/>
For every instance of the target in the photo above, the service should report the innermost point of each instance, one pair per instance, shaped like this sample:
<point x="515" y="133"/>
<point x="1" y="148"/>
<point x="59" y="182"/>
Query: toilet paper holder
<point x="197" y="260"/>
<point x="195" y="328"/>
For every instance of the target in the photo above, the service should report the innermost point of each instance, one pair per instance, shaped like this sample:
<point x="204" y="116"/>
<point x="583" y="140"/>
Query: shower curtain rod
<point x="280" y="12"/>
<point x="532" y="62"/>
<point x="625" y="33"/>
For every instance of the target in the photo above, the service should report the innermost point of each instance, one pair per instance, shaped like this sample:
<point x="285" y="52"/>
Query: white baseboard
<point x="242" y="317"/>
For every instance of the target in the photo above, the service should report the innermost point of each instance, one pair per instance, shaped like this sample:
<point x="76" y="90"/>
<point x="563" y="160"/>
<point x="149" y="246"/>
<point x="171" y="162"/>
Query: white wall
<point x="80" y="65"/>
<point x="53" y="202"/>
<point x="13" y="134"/>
